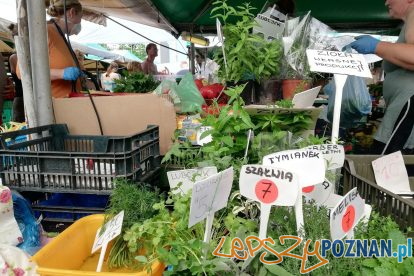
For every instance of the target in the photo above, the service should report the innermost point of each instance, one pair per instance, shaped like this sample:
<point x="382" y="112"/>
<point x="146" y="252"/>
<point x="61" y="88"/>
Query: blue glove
<point x="71" y="73"/>
<point x="364" y="44"/>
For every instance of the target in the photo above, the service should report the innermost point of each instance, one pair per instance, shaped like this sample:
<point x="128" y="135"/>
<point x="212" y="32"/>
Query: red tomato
<point x="199" y="84"/>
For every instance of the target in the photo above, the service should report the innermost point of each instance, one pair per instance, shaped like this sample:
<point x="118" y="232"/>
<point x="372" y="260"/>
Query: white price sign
<point x="391" y="174"/>
<point x="210" y="195"/>
<point x="336" y="62"/>
<point x="307" y="164"/>
<point x="269" y="185"/>
<point x="320" y="192"/>
<point x="187" y="178"/>
<point x="346" y="214"/>
<point x="333" y="154"/>
<point x="269" y="26"/>
<point x="111" y="230"/>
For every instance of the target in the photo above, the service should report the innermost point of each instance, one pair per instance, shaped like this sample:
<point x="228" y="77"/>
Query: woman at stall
<point x="396" y="129"/>
<point x="64" y="66"/>
<point x="109" y="77"/>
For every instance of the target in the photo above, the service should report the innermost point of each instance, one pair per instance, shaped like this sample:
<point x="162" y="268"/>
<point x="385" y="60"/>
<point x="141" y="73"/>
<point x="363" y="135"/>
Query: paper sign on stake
<point x="210" y="195"/>
<point x="186" y="178"/>
<point x="269" y="186"/>
<point x="333" y="154"/>
<point x="206" y="139"/>
<point x="391" y="174"/>
<point x="336" y="62"/>
<point x="112" y="230"/>
<point x="320" y="192"/>
<point x="346" y="214"/>
<point x="308" y="165"/>
<point x="221" y="39"/>
<point x="268" y="25"/>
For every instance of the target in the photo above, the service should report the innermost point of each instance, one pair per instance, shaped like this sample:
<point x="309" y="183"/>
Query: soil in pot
<point x="290" y="87"/>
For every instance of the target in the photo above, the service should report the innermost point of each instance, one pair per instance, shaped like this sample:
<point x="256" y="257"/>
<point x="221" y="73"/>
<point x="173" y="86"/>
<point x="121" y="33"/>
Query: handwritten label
<point x="111" y="230"/>
<point x="320" y="192"/>
<point x="269" y="185"/>
<point x="308" y="165"/>
<point x="210" y="195"/>
<point x="333" y="154"/>
<point x="346" y="214"/>
<point x="336" y="62"/>
<point x="187" y="178"/>
<point x="206" y="139"/>
<point x="391" y="174"/>
<point x="268" y="26"/>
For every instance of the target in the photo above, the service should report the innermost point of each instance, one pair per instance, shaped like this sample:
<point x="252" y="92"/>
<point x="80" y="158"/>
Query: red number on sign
<point x="266" y="191"/>
<point x="348" y="219"/>
<point x="308" y="190"/>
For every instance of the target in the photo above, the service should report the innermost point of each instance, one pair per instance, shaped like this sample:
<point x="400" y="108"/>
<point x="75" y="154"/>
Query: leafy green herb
<point x="136" y="82"/>
<point x="248" y="55"/>
<point x="136" y="200"/>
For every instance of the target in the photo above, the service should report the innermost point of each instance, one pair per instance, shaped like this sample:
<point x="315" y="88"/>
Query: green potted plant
<point x="250" y="58"/>
<point x="296" y="74"/>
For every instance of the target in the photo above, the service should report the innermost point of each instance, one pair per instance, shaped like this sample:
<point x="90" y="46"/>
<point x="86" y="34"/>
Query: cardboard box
<point x="120" y="115"/>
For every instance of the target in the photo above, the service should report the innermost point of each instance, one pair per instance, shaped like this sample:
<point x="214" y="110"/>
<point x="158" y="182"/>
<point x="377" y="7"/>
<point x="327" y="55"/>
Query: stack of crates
<point x="7" y="111"/>
<point x="358" y="172"/>
<point x="51" y="160"/>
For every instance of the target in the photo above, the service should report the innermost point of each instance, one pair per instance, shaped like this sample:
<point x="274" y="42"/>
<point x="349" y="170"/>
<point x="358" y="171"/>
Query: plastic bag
<point x="168" y="87"/>
<point x="28" y="225"/>
<point x="356" y="101"/>
<point x="9" y="230"/>
<point x="190" y="98"/>
<point x="302" y="33"/>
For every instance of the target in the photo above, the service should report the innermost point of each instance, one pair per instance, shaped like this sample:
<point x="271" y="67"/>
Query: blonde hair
<point x="55" y="8"/>
<point x="111" y="66"/>
<point x="134" y="66"/>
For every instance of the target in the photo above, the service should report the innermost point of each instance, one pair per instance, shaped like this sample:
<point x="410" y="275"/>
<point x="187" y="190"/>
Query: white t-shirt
<point x="108" y="83"/>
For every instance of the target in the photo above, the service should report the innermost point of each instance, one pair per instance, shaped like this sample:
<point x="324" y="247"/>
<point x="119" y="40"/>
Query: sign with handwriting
<point x="210" y="195"/>
<point x="307" y="164"/>
<point x="319" y="192"/>
<point x="346" y="214"/>
<point x="187" y="178"/>
<point x="111" y="230"/>
<point x="337" y="62"/>
<point x="333" y="154"/>
<point x="269" y="185"/>
<point x="391" y="174"/>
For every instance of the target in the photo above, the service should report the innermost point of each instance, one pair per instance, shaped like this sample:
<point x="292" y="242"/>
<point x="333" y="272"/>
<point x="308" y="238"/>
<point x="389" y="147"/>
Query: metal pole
<point x="40" y="61"/>
<point x="23" y="58"/>
<point x="192" y="60"/>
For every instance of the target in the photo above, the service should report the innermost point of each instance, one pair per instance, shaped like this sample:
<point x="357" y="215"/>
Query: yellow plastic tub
<point x="70" y="253"/>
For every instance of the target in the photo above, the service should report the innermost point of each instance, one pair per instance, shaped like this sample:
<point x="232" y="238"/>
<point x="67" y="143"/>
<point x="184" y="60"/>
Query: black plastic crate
<point x="52" y="160"/>
<point x="358" y="173"/>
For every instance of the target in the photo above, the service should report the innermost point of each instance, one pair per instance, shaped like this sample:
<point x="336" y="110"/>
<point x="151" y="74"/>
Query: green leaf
<point x="277" y="270"/>
<point x="371" y="263"/>
<point x="141" y="259"/>
<point x="227" y="140"/>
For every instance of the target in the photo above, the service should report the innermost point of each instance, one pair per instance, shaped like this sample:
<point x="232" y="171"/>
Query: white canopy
<point x="105" y="55"/>
<point x="114" y="33"/>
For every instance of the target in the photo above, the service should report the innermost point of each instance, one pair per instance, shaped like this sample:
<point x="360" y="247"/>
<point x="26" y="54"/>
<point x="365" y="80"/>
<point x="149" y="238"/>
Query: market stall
<point x="215" y="182"/>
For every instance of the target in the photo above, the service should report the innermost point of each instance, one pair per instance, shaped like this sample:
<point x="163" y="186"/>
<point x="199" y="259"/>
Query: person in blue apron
<point x="396" y="129"/>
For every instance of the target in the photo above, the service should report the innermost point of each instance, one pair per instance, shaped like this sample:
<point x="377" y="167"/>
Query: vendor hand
<point x="71" y="73"/>
<point x="364" y="44"/>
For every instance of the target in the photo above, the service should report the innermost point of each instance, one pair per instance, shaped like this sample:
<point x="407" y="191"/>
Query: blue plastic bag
<point x="28" y="225"/>
<point x="356" y="101"/>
